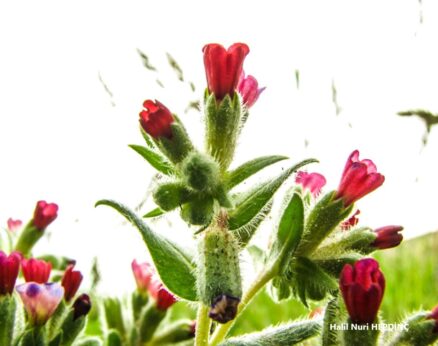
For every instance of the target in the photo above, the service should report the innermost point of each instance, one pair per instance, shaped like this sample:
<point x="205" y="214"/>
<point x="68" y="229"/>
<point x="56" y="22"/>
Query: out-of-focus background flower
<point x="72" y="83"/>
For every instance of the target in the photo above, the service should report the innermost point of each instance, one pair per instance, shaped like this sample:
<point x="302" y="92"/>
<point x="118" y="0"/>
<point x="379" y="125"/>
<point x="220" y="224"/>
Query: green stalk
<point x="203" y="323"/>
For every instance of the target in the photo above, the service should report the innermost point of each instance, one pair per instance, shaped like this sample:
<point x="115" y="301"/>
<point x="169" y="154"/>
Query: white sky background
<point x="62" y="140"/>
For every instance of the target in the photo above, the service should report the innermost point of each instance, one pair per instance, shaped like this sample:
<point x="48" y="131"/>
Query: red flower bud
<point x="71" y="281"/>
<point x="359" y="178"/>
<point x="163" y="298"/>
<point x="223" y="67"/>
<point x="44" y="214"/>
<point x="248" y="88"/>
<point x="388" y="237"/>
<point x="362" y="287"/>
<point x="81" y="306"/>
<point x="9" y="267"/>
<point x="156" y="119"/>
<point x="36" y="270"/>
<point x="434" y="316"/>
<point x="14" y="225"/>
<point x="352" y="221"/>
<point x="313" y="182"/>
<point x="143" y="273"/>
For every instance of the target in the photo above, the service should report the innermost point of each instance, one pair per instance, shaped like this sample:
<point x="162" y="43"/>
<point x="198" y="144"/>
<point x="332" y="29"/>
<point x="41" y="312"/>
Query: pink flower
<point x="248" y="88"/>
<point x="163" y="298"/>
<point x="388" y="237"/>
<point x="9" y="267"/>
<point x="36" y="270"/>
<point x="44" y="214"/>
<point x="40" y="300"/>
<point x="71" y="281"/>
<point x="143" y="273"/>
<point x="14" y="225"/>
<point x="156" y="119"/>
<point x="434" y="316"/>
<point x="351" y="222"/>
<point x="359" y="178"/>
<point x="311" y="181"/>
<point x="362" y="287"/>
<point x="223" y="67"/>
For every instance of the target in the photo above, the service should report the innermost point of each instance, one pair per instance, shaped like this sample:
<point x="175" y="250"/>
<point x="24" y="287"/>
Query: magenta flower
<point x="71" y="281"/>
<point x="40" y="300"/>
<point x="9" y="267"/>
<point x="434" y="316"/>
<point x="359" y="178"/>
<point x="81" y="306"/>
<point x="143" y="273"/>
<point x="352" y="221"/>
<point x="36" y="270"/>
<point x="388" y="237"/>
<point x="223" y="67"/>
<point x="248" y="88"/>
<point x="313" y="182"/>
<point x="156" y="119"/>
<point x="362" y="287"/>
<point x="44" y="214"/>
<point x="14" y="225"/>
<point x="163" y="298"/>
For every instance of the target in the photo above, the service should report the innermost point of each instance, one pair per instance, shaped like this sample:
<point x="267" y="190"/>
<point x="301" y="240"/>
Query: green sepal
<point x="199" y="211"/>
<point x="155" y="159"/>
<point x="322" y="220"/>
<point x="364" y="335"/>
<point x="250" y="204"/>
<point x="175" y="267"/>
<point x="356" y="240"/>
<point x="29" y="236"/>
<point x="114" y="338"/>
<point x="308" y="280"/>
<point x="280" y="288"/>
<point x="330" y="336"/>
<point x="154" y="213"/>
<point x="8" y="307"/>
<point x="333" y="266"/>
<point x="284" y="335"/>
<point x="55" y="321"/>
<point x="200" y="172"/>
<point x="179" y="146"/>
<point x="114" y="315"/>
<point x="171" y="195"/>
<point x="34" y="336"/>
<point x="419" y="331"/>
<point x="289" y="232"/>
<point x="57" y="341"/>
<point x="173" y="333"/>
<point x="147" y="138"/>
<point x="245" y="233"/>
<point x="222" y="122"/>
<point x="138" y="300"/>
<point x="93" y="341"/>
<point x="71" y="328"/>
<point x="150" y="319"/>
<point x="249" y="168"/>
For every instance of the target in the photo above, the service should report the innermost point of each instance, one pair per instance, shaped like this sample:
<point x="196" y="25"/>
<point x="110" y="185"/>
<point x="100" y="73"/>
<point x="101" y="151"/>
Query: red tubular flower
<point x="362" y="288"/>
<point x="223" y="67"/>
<point x="163" y="298"/>
<point x="434" y="316"/>
<point x="14" y="225"/>
<point x="36" y="270"/>
<point x="388" y="237"/>
<point x="248" y="88"/>
<point x="313" y="182"/>
<point x="359" y="178"/>
<point x="143" y="273"/>
<point x="156" y="119"/>
<point x="71" y="281"/>
<point x="44" y="214"/>
<point x="9" y="267"/>
<point x="81" y="306"/>
<point x="352" y="221"/>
